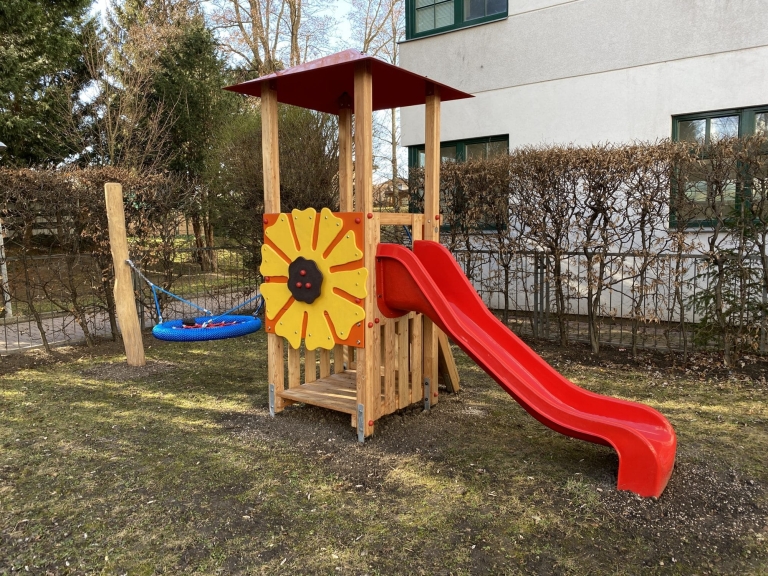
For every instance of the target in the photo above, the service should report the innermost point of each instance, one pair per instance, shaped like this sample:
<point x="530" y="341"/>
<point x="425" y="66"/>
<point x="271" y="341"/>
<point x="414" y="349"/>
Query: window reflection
<point x="725" y="127"/>
<point x="483" y="150"/>
<point x="692" y="130"/>
<point x="761" y="123"/>
<point x="480" y="8"/>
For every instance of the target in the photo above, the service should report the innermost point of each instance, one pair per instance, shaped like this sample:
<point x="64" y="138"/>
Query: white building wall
<point x="587" y="71"/>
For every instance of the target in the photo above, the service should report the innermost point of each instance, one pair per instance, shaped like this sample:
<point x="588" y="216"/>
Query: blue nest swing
<point x="201" y="328"/>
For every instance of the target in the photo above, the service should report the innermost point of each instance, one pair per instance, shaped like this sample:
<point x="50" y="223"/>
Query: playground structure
<point x="383" y="309"/>
<point x="379" y="311"/>
<point x="355" y="360"/>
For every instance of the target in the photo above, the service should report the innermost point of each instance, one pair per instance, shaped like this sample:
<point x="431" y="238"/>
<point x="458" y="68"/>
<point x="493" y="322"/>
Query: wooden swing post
<point x="125" y="301"/>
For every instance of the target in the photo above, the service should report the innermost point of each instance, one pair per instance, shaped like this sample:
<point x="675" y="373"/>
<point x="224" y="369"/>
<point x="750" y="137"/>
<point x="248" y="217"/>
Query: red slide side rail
<point x="428" y="280"/>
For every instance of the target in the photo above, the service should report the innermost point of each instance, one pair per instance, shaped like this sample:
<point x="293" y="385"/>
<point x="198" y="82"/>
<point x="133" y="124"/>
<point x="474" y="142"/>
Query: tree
<point x="378" y="26"/>
<point x="308" y="170"/>
<point x="270" y="35"/>
<point x="188" y="87"/>
<point x="118" y="125"/>
<point x="545" y="183"/>
<point x="41" y="64"/>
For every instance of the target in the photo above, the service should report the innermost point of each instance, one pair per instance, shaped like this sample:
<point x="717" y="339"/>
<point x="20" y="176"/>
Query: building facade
<point x="585" y="72"/>
<point x="588" y="71"/>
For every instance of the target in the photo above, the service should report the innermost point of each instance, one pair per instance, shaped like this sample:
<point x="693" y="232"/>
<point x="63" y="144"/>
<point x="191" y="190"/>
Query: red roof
<point x="317" y="85"/>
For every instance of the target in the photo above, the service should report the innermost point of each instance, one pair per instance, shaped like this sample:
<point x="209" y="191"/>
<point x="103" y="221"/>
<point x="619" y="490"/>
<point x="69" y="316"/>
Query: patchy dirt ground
<point x="177" y="467"/>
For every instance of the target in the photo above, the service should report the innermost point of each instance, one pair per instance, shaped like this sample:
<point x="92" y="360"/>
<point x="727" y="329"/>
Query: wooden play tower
<point x="320" y="268"/>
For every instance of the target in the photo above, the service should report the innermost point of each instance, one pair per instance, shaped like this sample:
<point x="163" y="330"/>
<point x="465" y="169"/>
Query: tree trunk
<point x="77" y="311"/>
<point x="107" y="278"/>
<point x="210" y="253"/>
<point x="31" y="303"/>
<point x="562" y="322"/>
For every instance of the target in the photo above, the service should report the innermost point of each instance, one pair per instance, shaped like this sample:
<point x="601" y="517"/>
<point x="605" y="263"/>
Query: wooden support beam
<point x="271" y="160"/>
<point x="325" y="363"/>
<point x="416" y="331"/>
<point x="396" y="219"/>
<point x="431" y="220"/>
<point x="294" y="367"/>
<point x="364" y="138"/>
<point x="346" y="197"/>
<point x="269" y="148"/>
<point x="125" y="301"/>
<point x="310" y="366"/>
<point x="367" y="360"/>
<point x="446" y="363"/>
<point x="338" y="359"/>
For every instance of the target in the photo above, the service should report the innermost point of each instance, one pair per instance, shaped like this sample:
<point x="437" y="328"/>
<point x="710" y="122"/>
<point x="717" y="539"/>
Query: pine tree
<point x="41" y="63"/>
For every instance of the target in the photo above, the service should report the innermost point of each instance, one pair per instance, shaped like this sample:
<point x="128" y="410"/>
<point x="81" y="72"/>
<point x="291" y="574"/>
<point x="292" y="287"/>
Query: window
<point x="712" y="196"/>
<point x="425" y="17"/>
<point x="461" y="150"/>
<point x="431" y="14"/>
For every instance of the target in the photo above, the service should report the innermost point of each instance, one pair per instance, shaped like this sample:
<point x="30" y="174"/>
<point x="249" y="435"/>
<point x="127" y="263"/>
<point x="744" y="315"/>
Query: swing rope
<point x="258" y="309"/>
<point x="408" y="233"/>
<point x="155" y="288"/>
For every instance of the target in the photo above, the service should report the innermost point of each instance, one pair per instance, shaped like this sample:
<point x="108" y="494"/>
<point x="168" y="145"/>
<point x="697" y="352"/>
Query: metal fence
<point x="657" y="309"/>
<point x="63" y="299"/>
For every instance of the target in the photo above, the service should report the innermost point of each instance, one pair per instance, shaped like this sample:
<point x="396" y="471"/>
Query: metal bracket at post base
<point x="360" y="423"/>
<point x="271" y="399"/>
<point x="427" y="403"/>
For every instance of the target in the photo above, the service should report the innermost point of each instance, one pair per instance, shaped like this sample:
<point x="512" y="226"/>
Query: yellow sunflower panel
<point x="272" y="264"/>
<point x="322" y="258"/>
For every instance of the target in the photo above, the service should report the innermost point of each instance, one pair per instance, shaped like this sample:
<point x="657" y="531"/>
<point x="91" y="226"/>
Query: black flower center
<point x="304" y="280"/>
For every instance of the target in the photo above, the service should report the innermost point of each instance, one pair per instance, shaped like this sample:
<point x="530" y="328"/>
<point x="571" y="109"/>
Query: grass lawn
<point x="177" y="467"/>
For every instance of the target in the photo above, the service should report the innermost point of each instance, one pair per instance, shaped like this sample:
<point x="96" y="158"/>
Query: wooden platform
<point x="337" y="392"/>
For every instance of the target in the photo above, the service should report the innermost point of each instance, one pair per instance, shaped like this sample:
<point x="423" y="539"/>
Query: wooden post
<point x="125" y="302"/>
<point x="310" y="365"/>
<point x="403" y="365"/>
<point x="431" y="221"/>
<point x="271" y="160"/>
<point x="447" y="364"/>
<point x="417" y="331"/>
<point x="294" y="367"/>
<point x="338" y="359"/>
<point x="389" y="361"/>
<point x="346" y="188"/>
<point x="346" y="199"/>
<point x="367" y="362"/>
<point x="325" y="363"/>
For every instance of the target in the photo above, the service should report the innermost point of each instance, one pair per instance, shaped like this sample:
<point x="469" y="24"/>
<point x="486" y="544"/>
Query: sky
<point x="341" y="36"/>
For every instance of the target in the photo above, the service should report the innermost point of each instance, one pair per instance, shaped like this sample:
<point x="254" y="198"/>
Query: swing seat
<point x="224" y="327"/>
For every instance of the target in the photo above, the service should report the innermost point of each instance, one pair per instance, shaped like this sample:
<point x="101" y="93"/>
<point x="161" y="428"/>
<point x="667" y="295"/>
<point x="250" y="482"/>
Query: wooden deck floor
<point x="337" y="392"/>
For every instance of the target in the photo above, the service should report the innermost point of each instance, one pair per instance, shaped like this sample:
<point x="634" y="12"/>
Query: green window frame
<point x="461" y="150"/>
<point x="428" y="17"/>
<point x="706" y="127"/>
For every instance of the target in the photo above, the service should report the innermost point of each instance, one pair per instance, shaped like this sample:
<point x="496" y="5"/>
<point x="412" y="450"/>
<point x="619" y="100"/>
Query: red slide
<point x="428" y="280"/>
